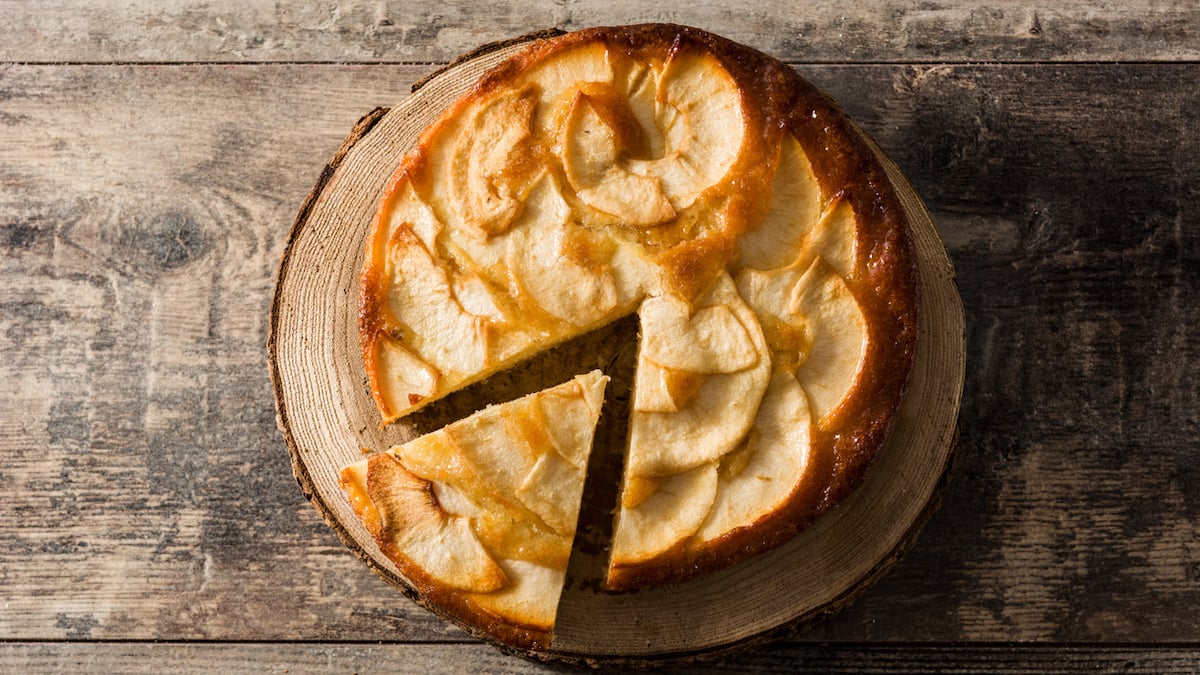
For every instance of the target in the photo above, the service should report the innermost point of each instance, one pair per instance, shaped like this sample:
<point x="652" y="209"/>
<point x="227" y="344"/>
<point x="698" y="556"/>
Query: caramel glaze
<point x="884" y="281"/>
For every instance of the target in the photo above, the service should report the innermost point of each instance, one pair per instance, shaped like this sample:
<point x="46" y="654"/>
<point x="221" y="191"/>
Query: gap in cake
<point x="588" y="565"/>
<point x="595" y="349"/>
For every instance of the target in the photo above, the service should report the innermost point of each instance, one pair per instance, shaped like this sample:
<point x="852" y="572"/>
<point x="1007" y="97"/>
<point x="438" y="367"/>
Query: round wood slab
<point x="328" y="419"/>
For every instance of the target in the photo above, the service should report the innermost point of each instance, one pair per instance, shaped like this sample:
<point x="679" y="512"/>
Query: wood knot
<point x="165" y="243"/>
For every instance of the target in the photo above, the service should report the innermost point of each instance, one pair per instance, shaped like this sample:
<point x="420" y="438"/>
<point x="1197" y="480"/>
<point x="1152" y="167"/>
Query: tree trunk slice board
<point x="328" y="419"/>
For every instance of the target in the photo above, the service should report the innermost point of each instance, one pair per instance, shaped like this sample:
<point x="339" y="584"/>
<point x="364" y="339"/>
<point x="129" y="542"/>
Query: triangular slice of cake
<point x="480" y="515"/>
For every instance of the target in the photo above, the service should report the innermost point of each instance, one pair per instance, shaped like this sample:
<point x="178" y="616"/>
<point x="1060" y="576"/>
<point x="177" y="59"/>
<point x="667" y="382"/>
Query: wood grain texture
<point x="143" y="215"/>
<point x="147" y="493"/>
<point x="427" y="31"/>
<point x="1068" y="199"/>
<point x="456" y="658"/>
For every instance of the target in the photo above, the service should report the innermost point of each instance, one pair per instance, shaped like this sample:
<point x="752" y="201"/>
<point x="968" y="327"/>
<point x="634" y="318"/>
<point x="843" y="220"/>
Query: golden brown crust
<point x="883" y="281"/>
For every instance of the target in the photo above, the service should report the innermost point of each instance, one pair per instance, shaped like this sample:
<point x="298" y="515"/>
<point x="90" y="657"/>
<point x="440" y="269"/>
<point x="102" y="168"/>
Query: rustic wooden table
<point x="154" y="155"/>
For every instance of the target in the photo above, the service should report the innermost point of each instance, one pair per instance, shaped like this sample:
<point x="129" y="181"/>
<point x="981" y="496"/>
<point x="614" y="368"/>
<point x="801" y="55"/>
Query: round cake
<point x="657" y="171"/>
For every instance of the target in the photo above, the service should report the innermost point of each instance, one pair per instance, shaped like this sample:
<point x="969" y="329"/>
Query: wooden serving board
<point x="328" y="419"/>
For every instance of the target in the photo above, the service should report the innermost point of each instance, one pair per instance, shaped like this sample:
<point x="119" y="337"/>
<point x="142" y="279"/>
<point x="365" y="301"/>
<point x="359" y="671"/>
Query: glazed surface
<point x="668" y="172"/>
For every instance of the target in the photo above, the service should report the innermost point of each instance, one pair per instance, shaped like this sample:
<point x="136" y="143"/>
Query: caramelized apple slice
<point x="712" y="423"/>
<point x="592" y="152"/>
<point x="485" y="180"/>
<point x="531" y="599"/>
<point x="403" y="378"/>
<point x="706" y="339"/>
<point x="769" y="292"/>
<point x="834" y="238"/>
<point x="478" y="297"/>
<point x="839" y="337"/>
<point x="413" y="524"/>
<point x="439" y="330"/>
<point x="577" y="406"/>
<point x="635" y="275"/>
<point x="660" y="389"/>
<point x="540" y="261"/>
<point x="719" y="414"/>
<point x="563" y="420"/>
<point x="699" y="111"/>
<point x="406" y="210"/>
<point x="774" y="461"/>
<point x="507" y="532"/>
<point x="558" y="77"/>
<point x="552" y="489"/>
<point x="640" y="84"/>
<point x="795" y="208"/>
<point x="675" y="510"/>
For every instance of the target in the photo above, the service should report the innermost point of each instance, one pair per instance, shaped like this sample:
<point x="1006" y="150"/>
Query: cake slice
<point x="480" y="515"/>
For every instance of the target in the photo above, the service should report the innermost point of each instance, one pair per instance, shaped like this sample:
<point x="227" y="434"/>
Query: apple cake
<point x="657" y="170"/>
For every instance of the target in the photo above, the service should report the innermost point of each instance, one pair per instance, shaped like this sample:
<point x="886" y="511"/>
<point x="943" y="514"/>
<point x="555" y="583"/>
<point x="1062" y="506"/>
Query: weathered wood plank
<point x="147" y="494"/>
<point x="144" y="657"/>
<point x="1068" y="197"/>
<point x="427" y="31"/>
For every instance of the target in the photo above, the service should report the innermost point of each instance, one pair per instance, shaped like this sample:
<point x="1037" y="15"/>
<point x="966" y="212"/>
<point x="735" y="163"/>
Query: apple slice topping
<point x="557" y="78"/>
<point x="813" y="322"/>
<point x="834" y="238"/>
<point x="413" y="524"/>
<point x="661" y="389"/>
<point x="598" y="133"/>
<point x="673" y="510"/>
<point x="570" y="436"/>
<point x="408" y="210"/>
<point x="698" y="108"/>
<point x="477" y="296"/>
<point x="404" y="379"/>
<point x="723" y="407"/>
<point x="531" y="599"/>
<point x="795" y="207"/>
<point x="705" y="340"/>
<point x="544" y="260"/>
<point x="769" y="467"/>
<point x="640" y="84"/>
<point x="485" y="173"/>
<point x="839" y="337"/>
<point x="434" y="324"/>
